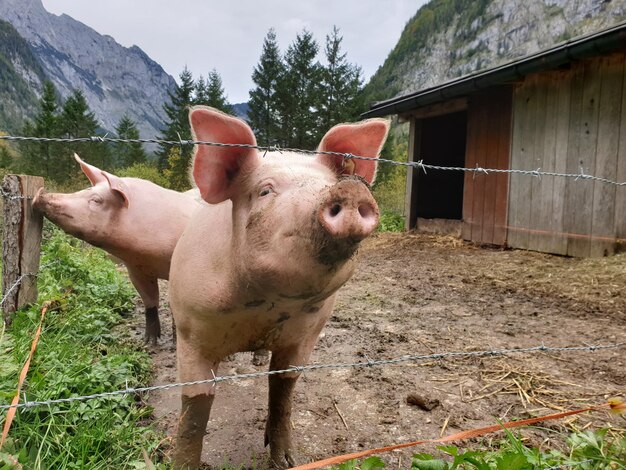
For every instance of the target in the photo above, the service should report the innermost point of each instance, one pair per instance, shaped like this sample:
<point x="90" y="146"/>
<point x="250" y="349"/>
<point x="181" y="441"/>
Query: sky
<point x="228" y="36"/>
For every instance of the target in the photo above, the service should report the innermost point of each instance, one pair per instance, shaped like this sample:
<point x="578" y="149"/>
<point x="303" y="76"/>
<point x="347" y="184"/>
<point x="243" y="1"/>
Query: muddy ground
<point x="423" y="294"/>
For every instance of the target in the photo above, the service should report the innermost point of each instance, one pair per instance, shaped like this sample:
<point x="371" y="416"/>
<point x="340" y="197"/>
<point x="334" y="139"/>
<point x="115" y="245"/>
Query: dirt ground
<point x="423" y="294"/>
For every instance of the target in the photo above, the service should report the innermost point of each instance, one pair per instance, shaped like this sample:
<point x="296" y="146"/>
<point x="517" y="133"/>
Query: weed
<point x="588" y="450"/>
<point x="391" y="222"/>
<point x="81" y="351"/>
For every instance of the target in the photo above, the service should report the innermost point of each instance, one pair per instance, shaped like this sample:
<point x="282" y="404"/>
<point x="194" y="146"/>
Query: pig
<point x="133" y="219"/>
<point x="260" y="265"/>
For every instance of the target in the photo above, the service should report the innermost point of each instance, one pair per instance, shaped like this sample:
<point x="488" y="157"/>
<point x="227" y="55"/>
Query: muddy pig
<point x="260" y="265"/>
<point x="133" y="219"/>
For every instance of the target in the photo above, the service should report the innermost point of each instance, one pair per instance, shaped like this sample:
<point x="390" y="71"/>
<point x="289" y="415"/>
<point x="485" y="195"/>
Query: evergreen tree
<point x="298" y="94"/>
<point x="177" y="170"/>
<point x="215" y="95"/>
<point x="340" y="86"/>
<point x="177" y="125"/>
<point x="262" y="111"/>
<point x="77" y="120"/>
<point x="200" y="91"/>
<point x="128" y="153"/>
<point x="7" y="155"/>
<point x="38" y="158"/>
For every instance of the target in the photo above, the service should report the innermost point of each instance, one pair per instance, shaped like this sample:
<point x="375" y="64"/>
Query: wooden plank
<point x="603" y="241"/>
<point x="410" y="217"/>
<point x="620" y="197"/>
<point x="540" y="208"/>
<point x="522" y="158"/>
<point x="503" y="163"/>
<point x="543" y="208"/>
<point x="468" y="182"/>
<point x="580" y="194"/>
<point x="439" y="109"/>
<point x="493" y="116"/>
<point x="559" y="239"/>
<point x="479" y="178"/>
<point x="21" y="243"/>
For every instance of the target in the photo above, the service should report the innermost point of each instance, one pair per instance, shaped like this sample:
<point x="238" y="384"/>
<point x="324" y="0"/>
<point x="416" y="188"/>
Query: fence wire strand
<point x="420" y="165"/>
<point x="315" y="367"/>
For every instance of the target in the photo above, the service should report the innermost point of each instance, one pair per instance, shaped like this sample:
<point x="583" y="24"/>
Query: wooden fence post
<point x="21" y="244"/>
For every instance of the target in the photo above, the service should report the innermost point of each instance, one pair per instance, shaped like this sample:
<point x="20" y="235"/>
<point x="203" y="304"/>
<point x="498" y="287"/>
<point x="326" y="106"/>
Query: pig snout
<point x="39" y="200"/>
<point x="349" y="211"/>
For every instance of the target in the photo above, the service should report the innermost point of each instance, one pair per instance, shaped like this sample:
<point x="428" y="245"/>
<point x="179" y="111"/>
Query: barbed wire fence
<point x="417" y="164"/>
<point x="316" y="367"/>
<point x="411" y="358"/>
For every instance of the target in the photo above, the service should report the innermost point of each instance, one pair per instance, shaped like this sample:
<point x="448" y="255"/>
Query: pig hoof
<point x="153" y="326"/>
<point x="282" y="459"/>
<point x="261" y="357"/>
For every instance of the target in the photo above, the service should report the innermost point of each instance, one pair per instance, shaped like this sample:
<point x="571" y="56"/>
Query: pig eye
<point x="265" y="191"/>
<point x="96" y="199"/>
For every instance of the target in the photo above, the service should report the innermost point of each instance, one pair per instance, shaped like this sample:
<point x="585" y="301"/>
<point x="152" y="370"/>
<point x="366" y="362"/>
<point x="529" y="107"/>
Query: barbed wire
<point x="416" y="164"/>
<point x="17" y="283"/>
<point x="314" y="367"/>
<point x="11" y="197"/>
<point x="22" y="277"/>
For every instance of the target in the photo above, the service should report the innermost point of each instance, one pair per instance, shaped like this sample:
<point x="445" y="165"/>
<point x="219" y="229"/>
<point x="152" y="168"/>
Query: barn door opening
<point x="440" y="192"/>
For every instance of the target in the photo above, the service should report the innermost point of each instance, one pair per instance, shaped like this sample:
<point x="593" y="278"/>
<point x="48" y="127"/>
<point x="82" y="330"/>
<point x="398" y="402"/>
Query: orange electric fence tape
<point x="614" y="404"/>
<point x="16" y="398"/>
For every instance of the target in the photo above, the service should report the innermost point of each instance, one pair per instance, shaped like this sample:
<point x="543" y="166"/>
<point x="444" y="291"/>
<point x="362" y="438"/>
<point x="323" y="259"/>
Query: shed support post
<point x="410" y="204"/>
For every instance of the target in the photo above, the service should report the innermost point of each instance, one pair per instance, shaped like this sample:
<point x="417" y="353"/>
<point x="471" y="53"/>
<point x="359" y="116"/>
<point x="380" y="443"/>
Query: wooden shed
<point x="561" y="110"/>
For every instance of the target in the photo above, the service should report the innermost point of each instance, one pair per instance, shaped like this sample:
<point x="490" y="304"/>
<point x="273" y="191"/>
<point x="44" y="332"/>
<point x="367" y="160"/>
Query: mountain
<point x="114" y="79"/>
<point x="19" y="72"/>
<point x="451" y="38"/>
<point x="241" y="110"/>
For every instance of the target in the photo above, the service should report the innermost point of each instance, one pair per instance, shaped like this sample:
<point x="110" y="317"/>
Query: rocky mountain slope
<point x="20" y="72"/>
<point x="451" y="38"/>
<point x="114" y="79"/>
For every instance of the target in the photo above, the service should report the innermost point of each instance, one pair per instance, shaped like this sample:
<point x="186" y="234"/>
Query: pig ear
<point x="118" y="186"/>
<point x="364" y="139"/>
<point x="215" y="168"/>
<point x="94" y="174"/>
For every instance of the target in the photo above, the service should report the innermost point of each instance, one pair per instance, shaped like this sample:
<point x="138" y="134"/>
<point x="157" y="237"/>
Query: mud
<point x="422" y="294"/>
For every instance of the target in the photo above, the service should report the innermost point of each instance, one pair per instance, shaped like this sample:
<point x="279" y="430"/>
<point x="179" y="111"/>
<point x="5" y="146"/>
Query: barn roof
<point x="598" y="43"/>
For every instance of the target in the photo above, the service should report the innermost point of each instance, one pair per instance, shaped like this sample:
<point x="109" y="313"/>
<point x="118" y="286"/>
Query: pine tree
<point x="215" y="95"/>
<point x="200" y="91"/>
<point x="177" y="125"/>
<point x="340" y="86"/>
<point x="77" y="120"/>
<point x="263" y="104"/>
<point x="298" y="94"/>
<point x="177" y="169"/>
<point x="38" y="157"/>
<point x="128" y="153"/>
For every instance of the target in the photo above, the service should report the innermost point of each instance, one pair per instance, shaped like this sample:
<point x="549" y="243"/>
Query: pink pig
<point x="260" y="266"/>
<point x="133" y="219"/>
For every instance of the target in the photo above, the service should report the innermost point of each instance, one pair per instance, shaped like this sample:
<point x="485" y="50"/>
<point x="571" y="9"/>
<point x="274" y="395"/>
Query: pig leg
<point x="196" y="401"/>
<point x="278" y="426"/>
<point x="148" y="288"/>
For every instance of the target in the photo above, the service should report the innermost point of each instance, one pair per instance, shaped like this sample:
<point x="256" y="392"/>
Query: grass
<point x="588" y="450"/>
<point x="82" y="350"/>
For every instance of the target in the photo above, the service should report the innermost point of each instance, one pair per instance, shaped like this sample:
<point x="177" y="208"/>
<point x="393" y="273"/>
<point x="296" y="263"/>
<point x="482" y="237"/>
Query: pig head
<point x="260" y="265"/>
<point x="133" y="219"/>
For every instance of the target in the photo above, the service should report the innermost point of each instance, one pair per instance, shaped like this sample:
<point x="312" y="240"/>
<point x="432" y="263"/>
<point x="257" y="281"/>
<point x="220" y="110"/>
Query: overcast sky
<point x="228" y="36"/>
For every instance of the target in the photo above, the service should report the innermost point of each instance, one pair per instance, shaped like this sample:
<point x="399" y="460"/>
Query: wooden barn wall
<point x="488" y="146"/>
<point x="570" y="121"/>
